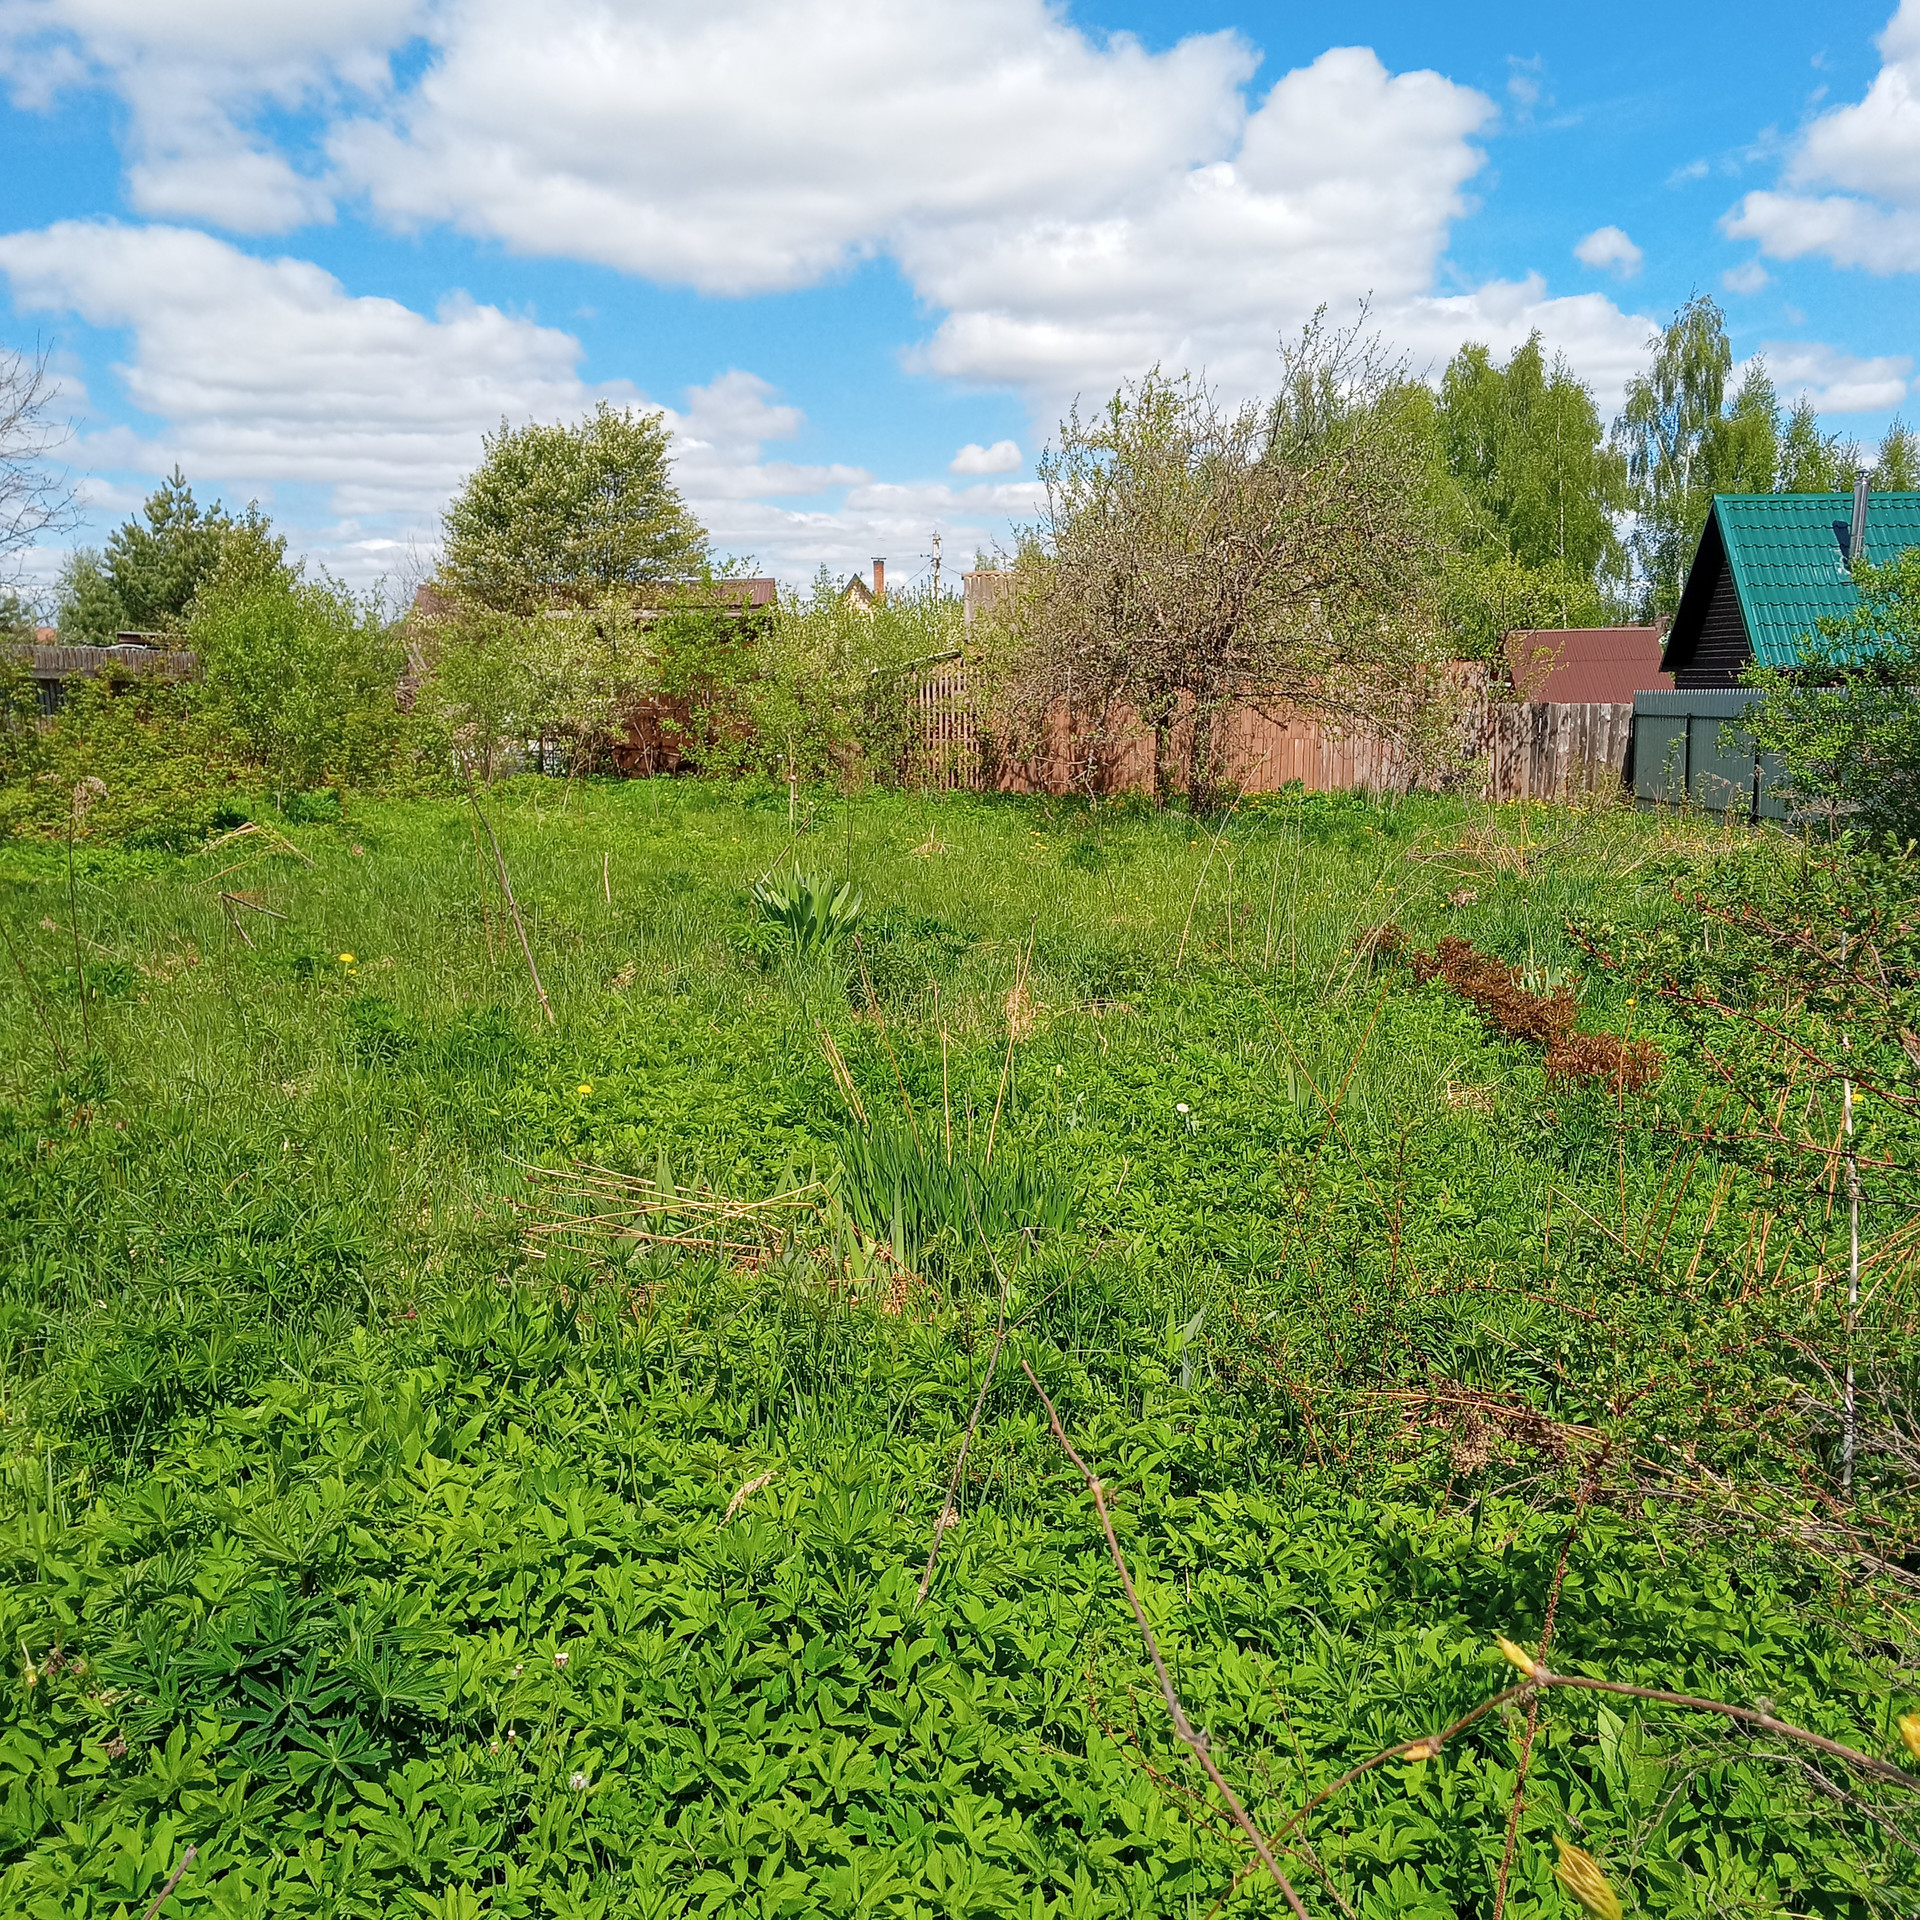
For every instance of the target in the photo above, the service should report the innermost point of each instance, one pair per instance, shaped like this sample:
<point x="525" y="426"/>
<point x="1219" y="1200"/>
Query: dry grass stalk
<point x="841" y="1077"/>
<point x="513" y="906"/>
<point x="1019" y="1025"/>
<point x="173" y="1880"/>
<point x="745" y="1493"/>
<point x="1184" y="1730"/>
<point x="1539" y="1678"/>
<point x="272" y="842"/>
<point x="949" y="1513"/>
<point x="618" y="1206"/>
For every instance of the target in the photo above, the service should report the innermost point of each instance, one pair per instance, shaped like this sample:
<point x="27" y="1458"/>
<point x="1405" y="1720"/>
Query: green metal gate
<point x="1690" y="749"/>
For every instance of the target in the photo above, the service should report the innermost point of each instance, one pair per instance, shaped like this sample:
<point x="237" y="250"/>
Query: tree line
<point x="1330" y="547"/>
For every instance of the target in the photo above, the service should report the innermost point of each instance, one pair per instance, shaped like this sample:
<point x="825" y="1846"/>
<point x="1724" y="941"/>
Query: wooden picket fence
<point x="1508" y="751"/>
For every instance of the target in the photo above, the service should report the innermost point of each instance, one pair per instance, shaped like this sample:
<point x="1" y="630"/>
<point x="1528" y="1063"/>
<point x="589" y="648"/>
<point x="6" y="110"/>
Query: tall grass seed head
<point x="1579" y="1872"/>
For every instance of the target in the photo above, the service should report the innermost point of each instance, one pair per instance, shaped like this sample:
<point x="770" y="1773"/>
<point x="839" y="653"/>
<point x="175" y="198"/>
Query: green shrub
<point x="302" y="674"/>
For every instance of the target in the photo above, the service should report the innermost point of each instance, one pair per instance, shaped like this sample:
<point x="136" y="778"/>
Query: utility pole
<point x="936" y="563"/>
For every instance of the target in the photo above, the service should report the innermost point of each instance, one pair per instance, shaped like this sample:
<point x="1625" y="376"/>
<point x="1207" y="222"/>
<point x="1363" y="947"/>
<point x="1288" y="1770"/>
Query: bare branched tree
<point x="35" y="500"/>
<point x="1194" y="555"/>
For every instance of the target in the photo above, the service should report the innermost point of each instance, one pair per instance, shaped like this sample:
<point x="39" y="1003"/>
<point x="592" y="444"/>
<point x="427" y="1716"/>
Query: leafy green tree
<point x="1524" y="442"/>
<point x="156" y="562"/>
<point x="1540" y="491"/>
<point x="1742" y="448"/>
<point x="1812" y="461"/>
<point x="1847" y="720"/>
<point x="1666" y="431"/>
<point x="568" y="514"/>
<point x="1684" y="442"/>
<point x="1194" y="555"/>
<point x="1897" y="470"/>
<point x="826" y="687"/>
<point x="17" y="616"/>
<point x="302" y="672"/>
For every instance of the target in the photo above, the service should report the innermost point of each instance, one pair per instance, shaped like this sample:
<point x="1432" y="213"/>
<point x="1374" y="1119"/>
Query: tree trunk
<point x="1162" y="760"/>
<point x="1200" y="795"/>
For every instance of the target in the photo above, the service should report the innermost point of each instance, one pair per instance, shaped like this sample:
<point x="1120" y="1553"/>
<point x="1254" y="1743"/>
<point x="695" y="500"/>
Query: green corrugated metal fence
<point x="1691" y="749"/>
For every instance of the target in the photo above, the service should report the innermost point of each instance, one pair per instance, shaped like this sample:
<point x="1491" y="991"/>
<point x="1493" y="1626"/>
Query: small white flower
<point x="560" y="1659"/>
<point x="578" y="1783"/>
<point x="1180" y="1106"/>
<point x="516" y="1670"/>
<point x="512" y="1737"/>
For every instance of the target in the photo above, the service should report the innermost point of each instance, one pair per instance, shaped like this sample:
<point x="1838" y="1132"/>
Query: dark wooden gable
<point x="1708" y="646"/>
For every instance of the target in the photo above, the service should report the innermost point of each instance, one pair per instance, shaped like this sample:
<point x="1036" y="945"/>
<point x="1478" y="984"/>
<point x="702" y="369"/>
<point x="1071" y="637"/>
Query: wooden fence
<point x="1507" y="751"/>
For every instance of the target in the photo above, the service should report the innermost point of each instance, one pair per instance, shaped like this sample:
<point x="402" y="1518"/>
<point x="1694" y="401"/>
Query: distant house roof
<point x="857" y="593"/>
<point x="1769" y="568"/>
<point x="1582" y="664"/>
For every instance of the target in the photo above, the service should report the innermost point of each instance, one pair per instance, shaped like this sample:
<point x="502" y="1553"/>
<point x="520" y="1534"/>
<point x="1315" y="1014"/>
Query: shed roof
<point x="1787" y="553"/>
<point x="1582" y="664"/>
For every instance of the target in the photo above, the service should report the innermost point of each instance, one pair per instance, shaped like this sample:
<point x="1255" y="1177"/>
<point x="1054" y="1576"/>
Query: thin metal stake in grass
<point x="1184" y="1730"/>
<point x="513" y="906"/>
<point x="1849" y="1427"/>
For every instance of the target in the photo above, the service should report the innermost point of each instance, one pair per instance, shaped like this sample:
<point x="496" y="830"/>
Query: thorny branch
<point x="1185" y="1731"/>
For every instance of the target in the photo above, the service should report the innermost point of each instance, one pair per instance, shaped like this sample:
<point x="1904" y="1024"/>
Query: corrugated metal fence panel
<point x="1690" y="745"/>
<point x="1775" y="789"/>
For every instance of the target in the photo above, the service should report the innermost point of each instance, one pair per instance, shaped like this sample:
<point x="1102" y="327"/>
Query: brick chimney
<point x="879" y="577"/>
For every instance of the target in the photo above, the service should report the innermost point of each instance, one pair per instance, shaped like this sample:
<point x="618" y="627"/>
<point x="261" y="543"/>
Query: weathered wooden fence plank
<point x="1543" y="751"/>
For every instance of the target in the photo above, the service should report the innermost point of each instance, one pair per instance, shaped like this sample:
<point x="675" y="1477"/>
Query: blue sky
<point x="866" y="252"/>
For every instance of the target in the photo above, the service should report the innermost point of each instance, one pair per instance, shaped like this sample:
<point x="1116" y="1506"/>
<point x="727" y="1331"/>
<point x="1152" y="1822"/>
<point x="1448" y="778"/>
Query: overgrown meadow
<point x="411" y="1519"/>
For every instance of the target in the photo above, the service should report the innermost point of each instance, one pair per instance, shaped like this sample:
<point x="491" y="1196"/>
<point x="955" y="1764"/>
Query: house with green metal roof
<point x="1768" y="568"/>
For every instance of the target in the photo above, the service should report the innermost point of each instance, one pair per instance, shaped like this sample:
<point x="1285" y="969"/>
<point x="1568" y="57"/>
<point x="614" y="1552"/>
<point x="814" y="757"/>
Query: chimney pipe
<point x="880" y="574"/>
<point x="1857" y="532"/>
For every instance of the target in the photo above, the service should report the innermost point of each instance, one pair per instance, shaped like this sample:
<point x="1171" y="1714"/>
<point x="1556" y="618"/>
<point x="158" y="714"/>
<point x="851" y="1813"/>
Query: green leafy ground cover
<point x="400" y="1573"/>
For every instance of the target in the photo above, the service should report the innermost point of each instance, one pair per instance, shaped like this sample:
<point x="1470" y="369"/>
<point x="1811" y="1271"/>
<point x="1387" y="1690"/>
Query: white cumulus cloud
<point x="1838" y="382"/>
<point x="1003" y="456"/>
<point x="1609" y="248"/>
<point x="195" y="75"/>
<point x="1071" y="206"/>
<point x="265" y="375"/>
<point x="1869" y="150"/>
<point x="268" y="371"/>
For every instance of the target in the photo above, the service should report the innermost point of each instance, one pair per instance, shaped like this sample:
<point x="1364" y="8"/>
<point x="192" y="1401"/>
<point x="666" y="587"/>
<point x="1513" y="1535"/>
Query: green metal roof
<point x="1787" y="554"/>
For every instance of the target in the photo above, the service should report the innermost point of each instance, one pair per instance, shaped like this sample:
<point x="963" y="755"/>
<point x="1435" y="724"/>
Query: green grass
<point x="313" y="1478"/>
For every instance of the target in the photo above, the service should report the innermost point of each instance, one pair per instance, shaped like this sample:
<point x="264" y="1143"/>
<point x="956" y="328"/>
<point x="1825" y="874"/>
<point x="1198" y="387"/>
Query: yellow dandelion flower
<point x="346" y="959"/>
<point x="586" y="1086"/>
<point x="1579" y="1872"/>
<point x="1910" y="1733"/>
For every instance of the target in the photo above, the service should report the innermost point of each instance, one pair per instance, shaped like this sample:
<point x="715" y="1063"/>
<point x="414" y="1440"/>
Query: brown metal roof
<point x="1582" y="664"/>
